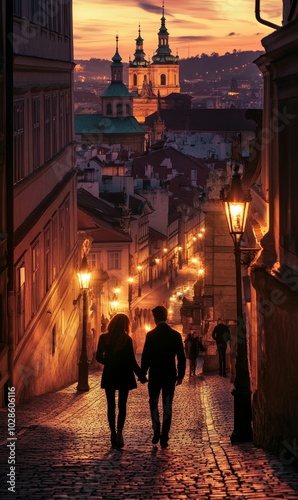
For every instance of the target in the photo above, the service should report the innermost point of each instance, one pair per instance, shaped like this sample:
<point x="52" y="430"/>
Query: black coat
<point x="221" y="334"/>
<point x="119" y="366"/>
<point x="162" y="346"/>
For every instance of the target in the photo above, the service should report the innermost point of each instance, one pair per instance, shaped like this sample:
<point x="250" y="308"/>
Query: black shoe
<point x="119" y="439"/>
<point x="113" y="440"/>
<point x="164" y="442"/>
<point x="156" y="437"/>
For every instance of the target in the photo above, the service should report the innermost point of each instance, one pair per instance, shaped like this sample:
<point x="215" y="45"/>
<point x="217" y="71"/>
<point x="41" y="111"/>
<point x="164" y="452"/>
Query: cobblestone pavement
<point x="63" y="449"/>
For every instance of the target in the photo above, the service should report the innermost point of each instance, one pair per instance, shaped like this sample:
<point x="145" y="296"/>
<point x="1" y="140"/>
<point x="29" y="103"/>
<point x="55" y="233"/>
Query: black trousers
<point x="167" y="390"/>
<point x="111" y="401"/>
<point x="222" y="348"/>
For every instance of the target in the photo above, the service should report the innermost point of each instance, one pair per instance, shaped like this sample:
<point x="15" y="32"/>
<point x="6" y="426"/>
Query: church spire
<point x="163" y="52"/>
<point x="117" y="66"/>
<point x="139" y="55"/>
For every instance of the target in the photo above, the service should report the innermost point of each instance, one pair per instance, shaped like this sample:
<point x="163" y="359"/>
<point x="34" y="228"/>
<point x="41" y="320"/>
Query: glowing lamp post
<point x="157" y="269"/>
<point x="236" y="205"/>
<point x="130" y="282"/>
<point x="84" y="276"/>
<point x="139" y="268"/>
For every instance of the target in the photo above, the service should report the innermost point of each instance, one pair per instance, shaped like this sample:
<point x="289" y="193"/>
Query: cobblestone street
<point x="63" y="449"/>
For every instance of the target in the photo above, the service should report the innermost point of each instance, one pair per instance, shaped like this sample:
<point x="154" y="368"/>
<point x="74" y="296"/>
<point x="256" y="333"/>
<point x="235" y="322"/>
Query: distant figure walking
<point x="221" y="334"/>
<point x="162" y="346"/>
<point x="115" y="351"/>
<point x="193" y="347"/>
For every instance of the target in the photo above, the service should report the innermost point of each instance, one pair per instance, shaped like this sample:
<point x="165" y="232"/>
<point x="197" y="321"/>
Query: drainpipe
<point x="263" y="21"/>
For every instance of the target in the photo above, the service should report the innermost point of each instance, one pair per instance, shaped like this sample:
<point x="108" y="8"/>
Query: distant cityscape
<point x="213" y="82"/>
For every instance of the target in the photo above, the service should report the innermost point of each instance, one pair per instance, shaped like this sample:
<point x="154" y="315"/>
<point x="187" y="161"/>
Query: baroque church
<point x="125" y="109"/>
<point x="150" y="81"/>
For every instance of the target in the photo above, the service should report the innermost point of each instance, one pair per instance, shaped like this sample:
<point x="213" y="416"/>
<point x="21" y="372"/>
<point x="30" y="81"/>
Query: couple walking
<point x="163" y="347"/>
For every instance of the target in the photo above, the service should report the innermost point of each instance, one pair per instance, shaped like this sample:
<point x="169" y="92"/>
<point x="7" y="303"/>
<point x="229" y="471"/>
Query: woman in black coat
<point x="115" y="352"/>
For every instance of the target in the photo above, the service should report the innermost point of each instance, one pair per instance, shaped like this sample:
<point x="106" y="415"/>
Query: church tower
<point x="164" y="69"/>
<point x="150" y="81"/>
<point x="116" y="100"/>
<point x="138" y="69"/>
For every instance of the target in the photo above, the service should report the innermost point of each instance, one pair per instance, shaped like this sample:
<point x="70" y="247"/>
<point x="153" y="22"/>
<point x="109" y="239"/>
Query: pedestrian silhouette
<point x="115" y="351"/>
<point x="193" y="347"/>
<point x="221" y="334"/>
<point x="163" y="355"/>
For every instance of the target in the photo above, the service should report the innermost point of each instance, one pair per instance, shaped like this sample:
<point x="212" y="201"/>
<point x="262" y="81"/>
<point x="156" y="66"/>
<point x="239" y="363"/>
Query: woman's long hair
<point x="118" y="330"/>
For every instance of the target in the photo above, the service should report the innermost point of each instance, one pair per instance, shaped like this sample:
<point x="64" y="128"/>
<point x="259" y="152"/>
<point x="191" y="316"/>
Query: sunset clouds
<point x="194" y="26"/>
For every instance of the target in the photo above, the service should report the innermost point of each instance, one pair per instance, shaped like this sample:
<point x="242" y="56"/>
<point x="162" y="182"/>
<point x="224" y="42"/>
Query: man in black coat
<point x="162" y="346"/>
<point x="221" y="334"/>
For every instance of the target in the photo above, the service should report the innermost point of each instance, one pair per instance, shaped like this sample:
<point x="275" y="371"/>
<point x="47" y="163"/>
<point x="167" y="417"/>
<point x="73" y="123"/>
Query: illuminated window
<point x="35" y="278"/>
<point x="18" y="140"/>
<point x="114" y="261"/>
<point x="21" y="277"/>
<point x="36" y="133"/>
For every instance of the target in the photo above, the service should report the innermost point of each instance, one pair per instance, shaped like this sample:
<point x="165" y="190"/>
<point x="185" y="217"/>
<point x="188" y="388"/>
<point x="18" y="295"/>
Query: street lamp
<point x="130" y="282"/>
<point x="180" y="257"/>
<point x="84" y="276"/>
<point x="139" y="268"/>
<point x="157" y="260"/>
<point x="114" y="307"/>
<point x="236" y="204"/>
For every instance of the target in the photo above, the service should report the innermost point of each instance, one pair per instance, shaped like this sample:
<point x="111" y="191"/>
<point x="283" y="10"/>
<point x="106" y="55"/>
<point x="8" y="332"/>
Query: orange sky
<point x="194" y="26"/>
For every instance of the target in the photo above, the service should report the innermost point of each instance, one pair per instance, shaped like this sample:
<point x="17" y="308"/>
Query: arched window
<point x="162" y="79"/>
<point x="119" y="109"/>
<point x="109" y="109"/>
<point x="127" y="110"/>
<point x="135" y="79"/>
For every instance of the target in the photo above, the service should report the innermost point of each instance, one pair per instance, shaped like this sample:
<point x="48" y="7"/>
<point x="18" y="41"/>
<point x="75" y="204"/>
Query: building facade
<point x="43" y="325"/>
<point x="274" y="276"/>
<point x="4" y="212"/>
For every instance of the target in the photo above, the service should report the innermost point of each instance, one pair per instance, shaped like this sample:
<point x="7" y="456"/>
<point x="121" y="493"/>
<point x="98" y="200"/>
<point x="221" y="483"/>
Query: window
<point x="54" y="124"/>
<point x="119" y="109"/>
<point x="62" y="234"/>
<point x="17" y="8"/>
<point x="114" y="261"/>
<point x="127" y="110"/>
<point x="47" y="264"/>
<point x="109" y="109"/>
<point x="53" y="340"/>
<point x="37" y="14"/>
<point x="47" y="127"/>
<point x="62" y="121"/>
<point x="20" y="278"/>
<point x="162" y="79"/>
<point x="67" y="227"/>
<point x="68" y="118"/>
<point x="54" y="246"/>
<point x="18" y="140"/>
<point x="36" y="132"/>
<point x="135" y="79"/>
<point x="35" y="277"/>
<point x="94" y="260"/>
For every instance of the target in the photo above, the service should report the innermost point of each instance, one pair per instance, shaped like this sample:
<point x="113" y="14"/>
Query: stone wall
<point x="275" y="402"/>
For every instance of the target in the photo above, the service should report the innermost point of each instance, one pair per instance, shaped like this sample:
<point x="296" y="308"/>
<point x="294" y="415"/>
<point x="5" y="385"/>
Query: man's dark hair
<point x="160" y="313"/>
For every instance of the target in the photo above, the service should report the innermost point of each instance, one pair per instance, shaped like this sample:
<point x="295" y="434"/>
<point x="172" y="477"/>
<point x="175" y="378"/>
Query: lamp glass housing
<point x="84" y="275"/>
<point x="236" y="214"/>
<point x="236" y="205"/>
